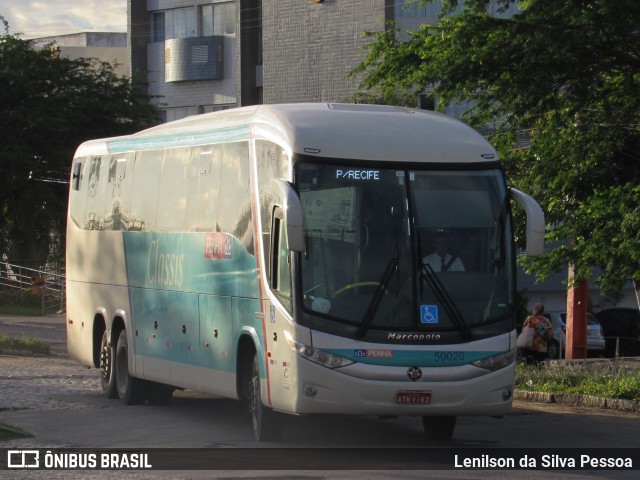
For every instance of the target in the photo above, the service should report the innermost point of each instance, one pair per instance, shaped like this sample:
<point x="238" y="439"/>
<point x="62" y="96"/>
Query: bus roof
<point x="348" y="131"/>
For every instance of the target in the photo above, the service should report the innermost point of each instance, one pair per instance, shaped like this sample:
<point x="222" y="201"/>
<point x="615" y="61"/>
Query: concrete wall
<point x="309" y="48"/>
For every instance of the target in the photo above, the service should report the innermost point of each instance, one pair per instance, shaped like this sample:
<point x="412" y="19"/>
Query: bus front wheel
<point x="266" y="424"/>
<point x="130" y="388"/>
<point x="107" y="367"/>
<point x="439" y="429"/>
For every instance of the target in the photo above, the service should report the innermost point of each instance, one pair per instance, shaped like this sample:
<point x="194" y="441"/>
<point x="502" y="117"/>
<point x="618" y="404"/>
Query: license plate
<point x="412" y="397"/>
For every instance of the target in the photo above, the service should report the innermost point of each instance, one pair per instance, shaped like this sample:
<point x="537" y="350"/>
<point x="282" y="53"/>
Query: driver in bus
<point x="441" y="260"/>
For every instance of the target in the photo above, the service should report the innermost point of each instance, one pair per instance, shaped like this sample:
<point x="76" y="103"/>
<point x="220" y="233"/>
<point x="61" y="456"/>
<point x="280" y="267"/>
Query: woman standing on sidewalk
<point x="537" y="352"/>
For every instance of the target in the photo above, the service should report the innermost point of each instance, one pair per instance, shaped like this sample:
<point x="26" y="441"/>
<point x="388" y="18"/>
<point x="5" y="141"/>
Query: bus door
<point x="278" y="309"/>
<point x="285" y="239"/>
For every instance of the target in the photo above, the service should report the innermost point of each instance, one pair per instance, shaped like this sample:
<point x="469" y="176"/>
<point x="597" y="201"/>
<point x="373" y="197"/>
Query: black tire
<point x="553" y="349"/>
<point x="267" y="425"/>
<point x="108" y="367"/>
<point x="130" y="389"/>
<point x="158" y="394"/>
<point x="439" y="429"/>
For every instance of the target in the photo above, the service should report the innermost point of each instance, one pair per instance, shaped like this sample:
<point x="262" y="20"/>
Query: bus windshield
<point x="406" y="250"/>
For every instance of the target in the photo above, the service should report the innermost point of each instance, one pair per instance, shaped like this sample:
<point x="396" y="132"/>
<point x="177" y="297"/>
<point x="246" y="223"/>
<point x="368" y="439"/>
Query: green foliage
<point x="48" y="106"/>
<point x="394" y="98"/>
<point x="564" y="76"/>
<point x="608" y="381"/>
<point x="20" y="298"/>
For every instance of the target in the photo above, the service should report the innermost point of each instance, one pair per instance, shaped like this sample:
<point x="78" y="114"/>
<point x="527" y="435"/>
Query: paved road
<point x="62" y="404"/>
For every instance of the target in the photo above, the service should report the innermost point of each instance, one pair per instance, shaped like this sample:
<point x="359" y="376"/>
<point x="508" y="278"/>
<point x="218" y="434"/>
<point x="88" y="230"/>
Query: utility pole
<point x="576" y="321"/>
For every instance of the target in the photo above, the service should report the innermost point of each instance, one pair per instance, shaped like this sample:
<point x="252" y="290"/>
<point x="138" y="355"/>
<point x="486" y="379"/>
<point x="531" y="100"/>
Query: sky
<point x="45" y="18"/>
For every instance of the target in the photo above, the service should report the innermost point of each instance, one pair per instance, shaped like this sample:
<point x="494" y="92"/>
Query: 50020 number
<point x="448" y="356"/>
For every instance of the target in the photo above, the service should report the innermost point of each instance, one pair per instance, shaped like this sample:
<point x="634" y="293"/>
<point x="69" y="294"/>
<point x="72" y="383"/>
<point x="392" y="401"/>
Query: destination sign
<point x="357" y="174"/>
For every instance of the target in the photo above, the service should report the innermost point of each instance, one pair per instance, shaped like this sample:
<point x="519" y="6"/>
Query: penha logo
<point x="218" y="246"/>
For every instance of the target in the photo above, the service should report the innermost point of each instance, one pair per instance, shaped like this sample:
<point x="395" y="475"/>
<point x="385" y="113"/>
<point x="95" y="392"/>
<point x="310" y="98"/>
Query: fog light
<point x="310" y="391"/>
<point x="506" y="394"/>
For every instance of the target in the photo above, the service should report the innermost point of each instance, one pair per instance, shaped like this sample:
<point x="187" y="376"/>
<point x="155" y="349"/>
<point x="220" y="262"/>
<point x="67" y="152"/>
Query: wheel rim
<point x="105" y="361"/>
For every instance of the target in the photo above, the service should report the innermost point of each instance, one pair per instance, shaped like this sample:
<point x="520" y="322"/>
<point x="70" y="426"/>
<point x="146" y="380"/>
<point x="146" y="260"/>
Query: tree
<point x="565" y="77"/>
<point x="48" y="106"/>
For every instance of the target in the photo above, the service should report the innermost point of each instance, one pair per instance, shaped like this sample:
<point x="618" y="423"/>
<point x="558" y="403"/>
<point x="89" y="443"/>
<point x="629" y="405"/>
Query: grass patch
<point x="609" y="380"/>
<point x="20" y="310"/>
<point x="23" y="345"/>
<point x="9" y="432"/>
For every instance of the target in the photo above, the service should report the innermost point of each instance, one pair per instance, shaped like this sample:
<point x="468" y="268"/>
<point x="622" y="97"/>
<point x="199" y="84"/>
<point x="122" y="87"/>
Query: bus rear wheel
<point x="439" y="429"/>
<point x="266" y="424"/>
<point x="130" y="388"/>
<point x="107" y="367"/>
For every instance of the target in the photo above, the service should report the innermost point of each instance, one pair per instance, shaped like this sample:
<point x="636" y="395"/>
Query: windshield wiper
<point x="377" y="295"/>
<point x="427" y="273"/>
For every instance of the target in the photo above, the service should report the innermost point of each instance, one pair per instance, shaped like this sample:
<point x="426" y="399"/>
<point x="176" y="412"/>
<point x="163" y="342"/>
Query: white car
<point x="557" y="346"/>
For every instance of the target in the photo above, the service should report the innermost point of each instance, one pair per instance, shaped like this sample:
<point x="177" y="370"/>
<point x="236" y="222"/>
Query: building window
<point x="218" y="19"/>
<point x="215" y="108"/>
<point x="213" y="19"/>
<point x="412" y="8"/>
<point x="158" y="27"/>
<point x="176" y="23"/>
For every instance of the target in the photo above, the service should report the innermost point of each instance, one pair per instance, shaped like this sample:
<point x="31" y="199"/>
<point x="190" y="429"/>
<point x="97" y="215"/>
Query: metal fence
<point x="47" y="283"/>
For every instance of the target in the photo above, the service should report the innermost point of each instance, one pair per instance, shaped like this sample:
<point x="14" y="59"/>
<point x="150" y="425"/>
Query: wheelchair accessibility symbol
<point x="428" y="314"/>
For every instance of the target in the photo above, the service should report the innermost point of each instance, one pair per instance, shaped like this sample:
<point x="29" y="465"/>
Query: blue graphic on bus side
<point x="428" y="314"/>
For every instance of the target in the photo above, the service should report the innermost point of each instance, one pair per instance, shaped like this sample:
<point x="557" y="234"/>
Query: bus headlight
<point x="316" y="355"/>
<point x="498" y="361"/>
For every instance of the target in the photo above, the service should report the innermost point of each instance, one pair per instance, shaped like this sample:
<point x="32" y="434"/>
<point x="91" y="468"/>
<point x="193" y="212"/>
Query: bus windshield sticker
<point x="428" y="313"/>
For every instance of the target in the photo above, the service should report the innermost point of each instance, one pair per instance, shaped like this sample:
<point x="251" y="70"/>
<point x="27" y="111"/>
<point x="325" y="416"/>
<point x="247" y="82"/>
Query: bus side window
<point x="280" y="265"/>
<point x="76" y="177"/>
<point x="78" y="193"/>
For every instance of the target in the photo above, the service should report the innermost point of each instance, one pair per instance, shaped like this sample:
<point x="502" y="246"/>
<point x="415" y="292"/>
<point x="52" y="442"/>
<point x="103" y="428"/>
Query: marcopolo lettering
<point x="413" y="337"/>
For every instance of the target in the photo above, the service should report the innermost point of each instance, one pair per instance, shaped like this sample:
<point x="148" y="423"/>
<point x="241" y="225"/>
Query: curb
<point x="629" y="406"/>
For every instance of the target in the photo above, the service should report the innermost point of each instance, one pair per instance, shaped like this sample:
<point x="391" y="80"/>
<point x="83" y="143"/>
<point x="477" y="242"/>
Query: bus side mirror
<point x="535" y="222"/>
<point x="292" y="209"/>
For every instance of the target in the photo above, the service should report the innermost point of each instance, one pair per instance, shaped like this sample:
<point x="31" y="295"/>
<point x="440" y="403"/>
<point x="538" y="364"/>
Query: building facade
<point x="205" y="55"/>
